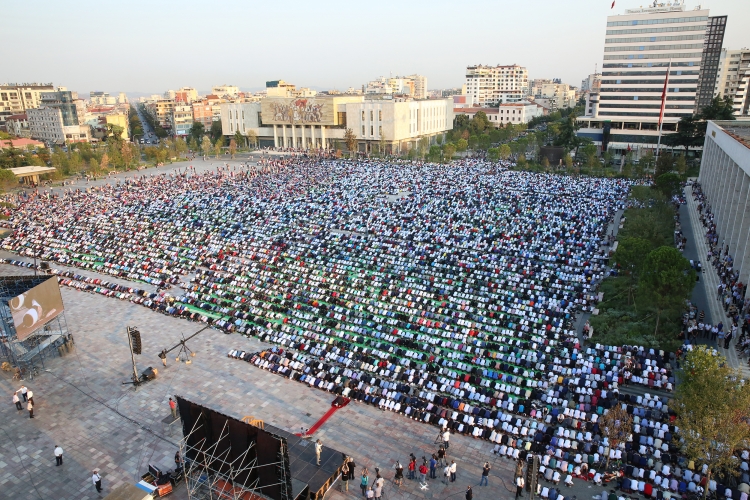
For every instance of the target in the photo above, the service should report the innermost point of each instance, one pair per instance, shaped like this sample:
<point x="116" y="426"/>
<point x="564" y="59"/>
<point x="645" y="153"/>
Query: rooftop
<point x="20" y="143"/>
<point x="33" y="170"/>
<point x="737" y="129"/>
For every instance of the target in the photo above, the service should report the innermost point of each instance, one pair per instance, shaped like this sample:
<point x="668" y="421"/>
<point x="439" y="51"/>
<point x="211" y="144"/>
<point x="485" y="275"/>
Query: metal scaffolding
<point x="210" y="476"/>
<point x="30" y="353"/>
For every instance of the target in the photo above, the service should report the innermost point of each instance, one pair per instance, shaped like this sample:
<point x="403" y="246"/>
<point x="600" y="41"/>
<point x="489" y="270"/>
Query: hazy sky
<point x="151" y="46"/>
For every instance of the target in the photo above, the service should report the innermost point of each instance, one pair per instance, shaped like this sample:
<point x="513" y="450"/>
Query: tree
<point x="461" y="122"/>
<point x="667" y="279"/>
<point x="197" y="131"/>
<point x="218" y="145"/>
<point x="94" y="166"/>
<point x="545" y="163"/>
<point x="434" y="154"/>
<point x="567" y="136"/>
<point x="718" y="109"/>
<point x="350" y="139"/>
<point x="479" y="123"/>
<point x="630" y="256"/>
<point x="439" y="140"/>
<point x="422" y="146"/>
<point x="690" y="133"/>
<point x="567" y="160"/>
<point x="712" y="403"/>
<point x="206" y="145"/>
<point x="493" y="154"/>
<point x="448" y="151"/>
<point x="232" y="147"/>
<point x="114" y="131"/>
<point x="504" y="152"/>
<point x="664" y="164"/>
<point x="239" y="141"/>
<point x="646" y="163"/>
<point x="521" y="162"/>
<point x="127" y="154"/>
<point x="462" y="144"/>
<point x="179" y="145"/>
<point x="617" y="426"/>
<point x="252" y="138"/>
<point x="104" y="163"/>
<point x="8" y="179"/>
<point x="669" y="184"/>
<point x="216" y="131"/>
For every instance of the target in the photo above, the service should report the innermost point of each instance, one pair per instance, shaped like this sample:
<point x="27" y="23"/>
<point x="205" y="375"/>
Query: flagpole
<point x="663" y="105"/>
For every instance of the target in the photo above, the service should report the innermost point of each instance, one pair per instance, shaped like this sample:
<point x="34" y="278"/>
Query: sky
<point x="151" y="46"/>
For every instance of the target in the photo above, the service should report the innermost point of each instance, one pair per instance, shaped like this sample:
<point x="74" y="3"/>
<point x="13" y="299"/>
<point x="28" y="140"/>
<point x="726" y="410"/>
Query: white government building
<point x="321" y="121"/>
<point x="725" y="179"/>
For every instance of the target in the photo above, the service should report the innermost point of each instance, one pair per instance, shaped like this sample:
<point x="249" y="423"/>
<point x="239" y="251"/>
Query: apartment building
<point x="493" y="85"/>
<point x="16" y="98"/>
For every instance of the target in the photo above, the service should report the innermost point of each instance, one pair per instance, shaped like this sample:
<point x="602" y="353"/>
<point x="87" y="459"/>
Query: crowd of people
<point x="447" y="293"/>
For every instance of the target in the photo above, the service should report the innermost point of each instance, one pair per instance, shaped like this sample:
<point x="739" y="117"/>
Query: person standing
<point x="453" y="471"/>
<point x="352" y="466"/>
<point x="446" y="473"/>
<point x="58" y="455"/>
<point x="379" y="482"/>
<point x="23" y="390"/>
<point x="485" y="474"/>
<point x="433" y="467"/>
<point x="423" y="473"/>
<point x="17" y="401"/>
<point x="173" y="408"/>
<point x="318" y="449"/>
<point x="163" y="356"/>
<point x="412" y="467"/>
<point x="97" y="480"/>
<point x="441" y="456"/>
<point x="30" y="407"/>
<point x="519" y="486"/>
<point x="363" y="482"/>
<point x="345" y="474"/>
<point x="469" y="493"/>
<point x="30" y="396"/>
<point x="446" y="439"/>
<point x="399" y="477"/>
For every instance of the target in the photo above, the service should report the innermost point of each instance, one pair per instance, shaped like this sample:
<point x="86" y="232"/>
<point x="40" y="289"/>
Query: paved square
<point x="82" y="405"/>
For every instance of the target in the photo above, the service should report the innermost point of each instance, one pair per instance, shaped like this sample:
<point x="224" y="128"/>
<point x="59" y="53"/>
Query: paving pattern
<point x="82" y="405"/>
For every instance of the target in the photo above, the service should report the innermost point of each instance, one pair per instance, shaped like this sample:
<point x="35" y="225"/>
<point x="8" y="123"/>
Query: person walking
<point x="17" y="401"/>
<point x="519" y="486"/>
<point x="453" y="471"/>
<point x="318" y="449"/>
<point x="433" y="467"/>
<point x="30" y="407"/>
<point x="399" y="477"/>
<point x="58" y="455"/>
<point x="363" y="482"/>
<point x="163" y="356"/>
<point x="485" y="474"/>
<point x="97" y="480"/>
<point x="469" y="493"/>
<point x="173" y="408"/>
<point x="345" y="474"/>
<point x="23" y="391"/>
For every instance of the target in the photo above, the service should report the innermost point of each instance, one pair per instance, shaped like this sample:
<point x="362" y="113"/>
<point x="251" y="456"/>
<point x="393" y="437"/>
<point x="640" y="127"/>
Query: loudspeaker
<point x="150" y="373"/>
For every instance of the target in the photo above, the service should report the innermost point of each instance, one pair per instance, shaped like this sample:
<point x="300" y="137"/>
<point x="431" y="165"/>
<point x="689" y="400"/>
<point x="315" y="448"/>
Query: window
<point x="380" y="130"/>
<point x="372" y="115"/>
<point x="363" y="116"/>
<point x="380" y="115"/>
<point x="363" y="128"/>
<point x="372" y="130"/>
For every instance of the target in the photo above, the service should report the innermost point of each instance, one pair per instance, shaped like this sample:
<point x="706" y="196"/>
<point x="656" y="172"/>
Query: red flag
<point x="664" y="94"/>
<point x="613" y="4"/>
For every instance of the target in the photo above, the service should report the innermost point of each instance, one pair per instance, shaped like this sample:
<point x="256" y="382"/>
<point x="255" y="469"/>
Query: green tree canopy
<point x="197" y="131"/>
<point x="216" y="131"/>
<point x="669" y="184"/>
<point x="712" y="403"/>
<point x="718" y="109"/>
<point x="667" y="279"/>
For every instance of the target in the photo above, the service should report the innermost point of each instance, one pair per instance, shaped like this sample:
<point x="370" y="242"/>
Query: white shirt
<point x="446" y="436"/>
<point x="453" y="467"/>
<point x="58" y="452"/>
<point x="15" y="398"/>
<point x="30" y="394"/>
<point x="96" y="477"/>
<point x="23" y="390"/>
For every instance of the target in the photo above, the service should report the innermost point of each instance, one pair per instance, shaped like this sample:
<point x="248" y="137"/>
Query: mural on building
<point x="300" y="111"/>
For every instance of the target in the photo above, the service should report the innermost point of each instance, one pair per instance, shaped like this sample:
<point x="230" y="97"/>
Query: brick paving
<point x="82" y="406"/>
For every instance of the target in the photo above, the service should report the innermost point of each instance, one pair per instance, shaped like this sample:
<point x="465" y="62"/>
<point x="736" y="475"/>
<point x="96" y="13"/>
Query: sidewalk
<point x="710" y="281"/>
